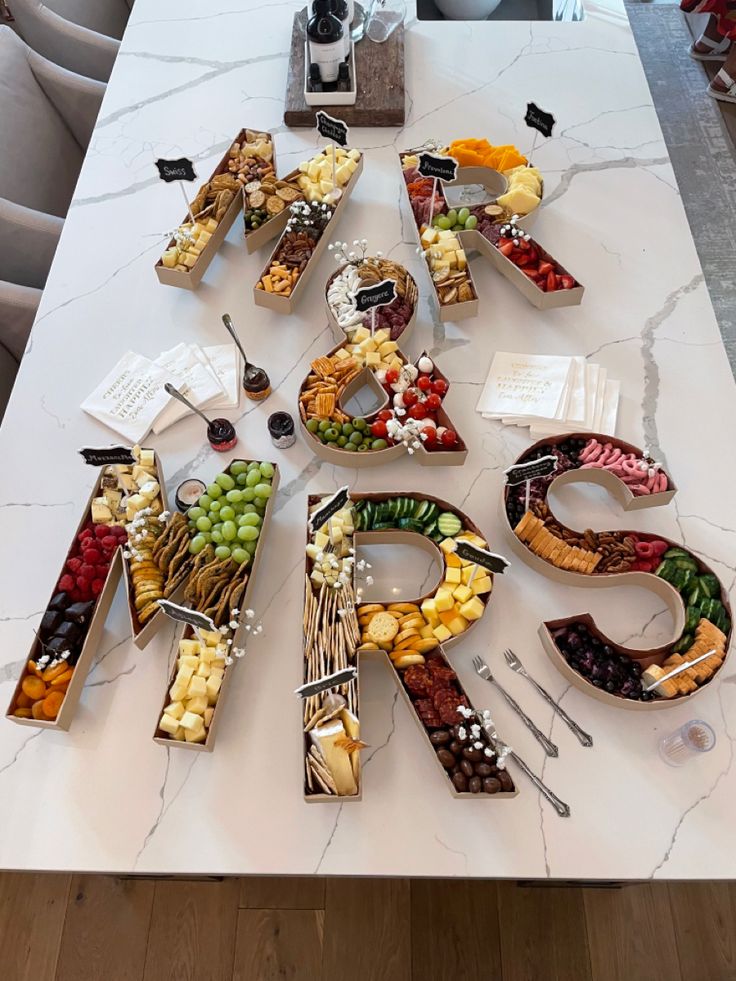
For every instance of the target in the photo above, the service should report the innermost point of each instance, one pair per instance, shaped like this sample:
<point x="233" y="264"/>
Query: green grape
<point x="471" y="222"/>
<point x="443" y="222"/>
<point x="234" y="496"/>
<point x="451" y="216"/>
<point x="263" y="491"/>
<point x="226" y="513"/>
<point x="197" y="544"/>
<point x="192" y="526"/>
<point x="260" y="504"/>
<point x="249" y="508"/>
<point x="194" y="513"/>
<point x="248" y="494"/>
<point x="254" y="477"/>
<point x="207" y="536"/>
<point x="229" y="531"/>
<point x="215" y="507"/>
<point x="204" y="523"/>
<point x="238" y="467"/>
<point x="241" y="479"/>
<point x="248" y="533"/>
<point x="252" y="519"/>
<point x="214" y="490"/>
<point x="266" y="469"/>
<point x="312" y="425"/>
<point x="225" y="481"/>
<point x="216" y="536"/>
<point x="462" y="215"/>
<point x="250" y="547"/>
<point x="239" y="555"/>
<point x="204" y="501"/>
<point x="222" y="552"/>
<point x="254" y="465"/>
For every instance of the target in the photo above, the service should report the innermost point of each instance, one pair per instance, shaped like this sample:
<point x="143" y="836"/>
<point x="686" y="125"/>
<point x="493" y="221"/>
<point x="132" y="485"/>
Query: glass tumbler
<point x="385" y="16"/>
<point x="690" y="740"/>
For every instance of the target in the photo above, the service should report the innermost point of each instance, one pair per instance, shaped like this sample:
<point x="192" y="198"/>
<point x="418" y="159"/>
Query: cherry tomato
<point x="411" y="396"/>
<point x="449" y="437"/>
<point x="379" y="429"/>
<point x="392" y="376"/>
<point x="418" y="410"/>
<point x="385" y="414"/>
<point x="431" y="434"/>
<point x="433" y="402"/>
<point x="424" y="383"/>
<point x="440" y="386"/>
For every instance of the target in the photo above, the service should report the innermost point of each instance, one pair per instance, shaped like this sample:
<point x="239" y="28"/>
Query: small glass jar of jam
<point x="188" y="493"/>
<point x="256" y="383"/>
<point x="221" y="434"/>
<point x="281" y="428"/>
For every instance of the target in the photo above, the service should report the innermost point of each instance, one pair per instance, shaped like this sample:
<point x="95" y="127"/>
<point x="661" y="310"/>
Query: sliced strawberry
<point x="567" y="282"/>
<point x="507" y="248"/>
<point x="523" y="260"/>
<point x="546" y="267"/>
<point x="551" y="281"/>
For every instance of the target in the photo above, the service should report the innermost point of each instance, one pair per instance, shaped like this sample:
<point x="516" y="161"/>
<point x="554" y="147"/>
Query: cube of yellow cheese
<point x="208" y="713"/>
<point x="211" y="637"/>
<point x="482" y="584"/>
<point x="212" y="687"/>
<point x="360" y="334"/>
<point x="447" y="545"/>
<point x="468" y="571"/>
<point x="429" y="609"/>
<point x="373" y="359"/>
<point x="452" y="560"/>
<point x="442" y="633"/>
<point x="191" y="721"/>
<point x="196" y="735"/>
<point x="426" y="632"/>
<point x="452" y="575"/>
<point x="472" y="609"/>
<point x="188" y="648"/>
<point x="179" y="735"/>
<point x="175" y="710"/>
<point x="197" y="705"/>
<point x="462" y="593"/>
<point x="458" y="625"/>
<point x="168" y="723"/>
<point x="197" y="686"/>
<point x="443" y="600"/>
<point x="189" y="661"/>
<point x="387" y="347"/>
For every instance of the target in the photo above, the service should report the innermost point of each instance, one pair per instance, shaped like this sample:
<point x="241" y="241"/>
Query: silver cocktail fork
<point x="485" y="672"/>
<point x="515" y="664"/>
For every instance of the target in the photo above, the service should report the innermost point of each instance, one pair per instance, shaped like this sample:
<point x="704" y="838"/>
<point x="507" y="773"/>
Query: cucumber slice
<point x="431" y="529"/>
<point x="421" y="510"/>
<point x="680" y="577"/>
<point x="693" y="615"/>
<point x="676" y="553"/>
<point x="382" y="525"/>
<point x="695" y="597"/>
<point x="665" y="570"/>
<point x="432" y="514"/>
<point x="688" y="563"/>
<point x="683" y="644"/>
<point x="449" y="524"/>
<point x="709" y="584"/>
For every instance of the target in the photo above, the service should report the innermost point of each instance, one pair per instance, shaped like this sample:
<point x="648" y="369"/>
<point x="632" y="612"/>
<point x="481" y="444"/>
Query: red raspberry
<point x="66" y="583"/>
<point x="97" y="586"/>
<point x="74" y="565"/>
<point x="82" y="582"/>
<point x="119" y="530"/>
<point x="109" y="542"/>
<point x="76" y="595"/>
<point x="91" y="555"/>
<point x="101" y="571"/>
<point x="87" y="570"/>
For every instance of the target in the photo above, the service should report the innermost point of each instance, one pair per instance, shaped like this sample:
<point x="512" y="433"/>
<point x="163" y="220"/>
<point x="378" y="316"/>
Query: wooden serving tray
<point x="379" y="68"/>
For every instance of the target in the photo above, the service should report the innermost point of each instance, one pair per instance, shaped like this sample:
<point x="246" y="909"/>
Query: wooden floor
<point x="101" y="928"/>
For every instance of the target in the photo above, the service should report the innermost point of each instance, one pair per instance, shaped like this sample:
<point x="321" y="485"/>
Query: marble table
<point x="105" y="797"/>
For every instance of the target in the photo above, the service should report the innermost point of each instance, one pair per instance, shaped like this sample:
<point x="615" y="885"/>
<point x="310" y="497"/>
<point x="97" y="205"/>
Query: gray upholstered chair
<point x="18" y="306"/>
<point x="48" y="115"/>
<point x="81" y="35"/>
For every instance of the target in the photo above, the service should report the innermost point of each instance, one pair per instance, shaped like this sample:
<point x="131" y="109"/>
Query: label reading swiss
<point x="341" y="677"/>
<point x="331" y="506"/>
<point x="521" y="472"/>
<point x="332" y="129"/>
<point x="103" y="456"/>
<point x="434" y="165"/>
<point x="481" y="557"/>
<point x="184" y="615"/>
<point x="539" y="119"/>
<point x="176" y="170"/>
<point x="379" y="295"/>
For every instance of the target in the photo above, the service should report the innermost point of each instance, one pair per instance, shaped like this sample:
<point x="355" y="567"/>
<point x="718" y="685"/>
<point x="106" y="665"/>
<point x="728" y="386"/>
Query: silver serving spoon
<point x="177" y="395"/>
<point x="230" y="327"/>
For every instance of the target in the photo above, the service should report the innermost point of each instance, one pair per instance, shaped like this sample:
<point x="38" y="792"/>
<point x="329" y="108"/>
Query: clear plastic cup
<point x="385" y="17"/>
<point x="690" y="740"/>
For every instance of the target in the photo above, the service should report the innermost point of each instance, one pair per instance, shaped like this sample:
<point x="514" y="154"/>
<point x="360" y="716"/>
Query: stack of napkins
<point x="550" y="394"/>
<point x="132" y="400"/>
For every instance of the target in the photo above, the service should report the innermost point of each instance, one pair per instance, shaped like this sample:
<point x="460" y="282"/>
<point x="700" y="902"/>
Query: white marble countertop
<point x="104" y="797"/>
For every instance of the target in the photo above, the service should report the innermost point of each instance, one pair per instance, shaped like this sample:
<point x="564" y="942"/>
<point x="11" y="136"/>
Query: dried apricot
<point x="33" y="687"/>
<point x="38" y="712"/>
<point x="54" y="671"/>
<point x="52" y="703"/>
<point x="22" y="713"/>
<point x="23" y="701"/>
<point x="61" y="679"/>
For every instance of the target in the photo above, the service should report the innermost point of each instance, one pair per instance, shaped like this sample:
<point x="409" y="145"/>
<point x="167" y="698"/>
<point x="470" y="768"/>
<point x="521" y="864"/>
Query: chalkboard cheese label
<point x="176" y="170"/>
<point x="480" y="556"/>
<point x="379" y="295"/>
<point x="539" y="119"/>
<point x="184" y="615"/>
<point x="519" y="473"/>
<point x="103" y="456"/>
<point x="331" y="506"/>
<point x="332" y="129"/>
<point x="435" y="165"/>
<point x="341" y="677"/>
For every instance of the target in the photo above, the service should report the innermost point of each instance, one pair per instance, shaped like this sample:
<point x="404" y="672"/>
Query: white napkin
<point x="193" y="380"/>
<point x="524" y="386"/>
<point x="131" y="397"/>
<point x="225" y="362"/>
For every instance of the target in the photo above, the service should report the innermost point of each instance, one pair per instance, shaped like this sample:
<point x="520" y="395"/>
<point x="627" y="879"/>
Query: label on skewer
<point x="104" y="455"/>
<point x="341" y="677"/>
<point x="480" y="556"/>
<point x="332" y="129"/>
<point x="437" y="166"/>
<point x="184" y="615"/>
<point x="521" y="472"/>
<point x="331" y="506"/>
<point x="379" y="295"/>
<point x="176" y="170"/>
<point x="539" y="119"/>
